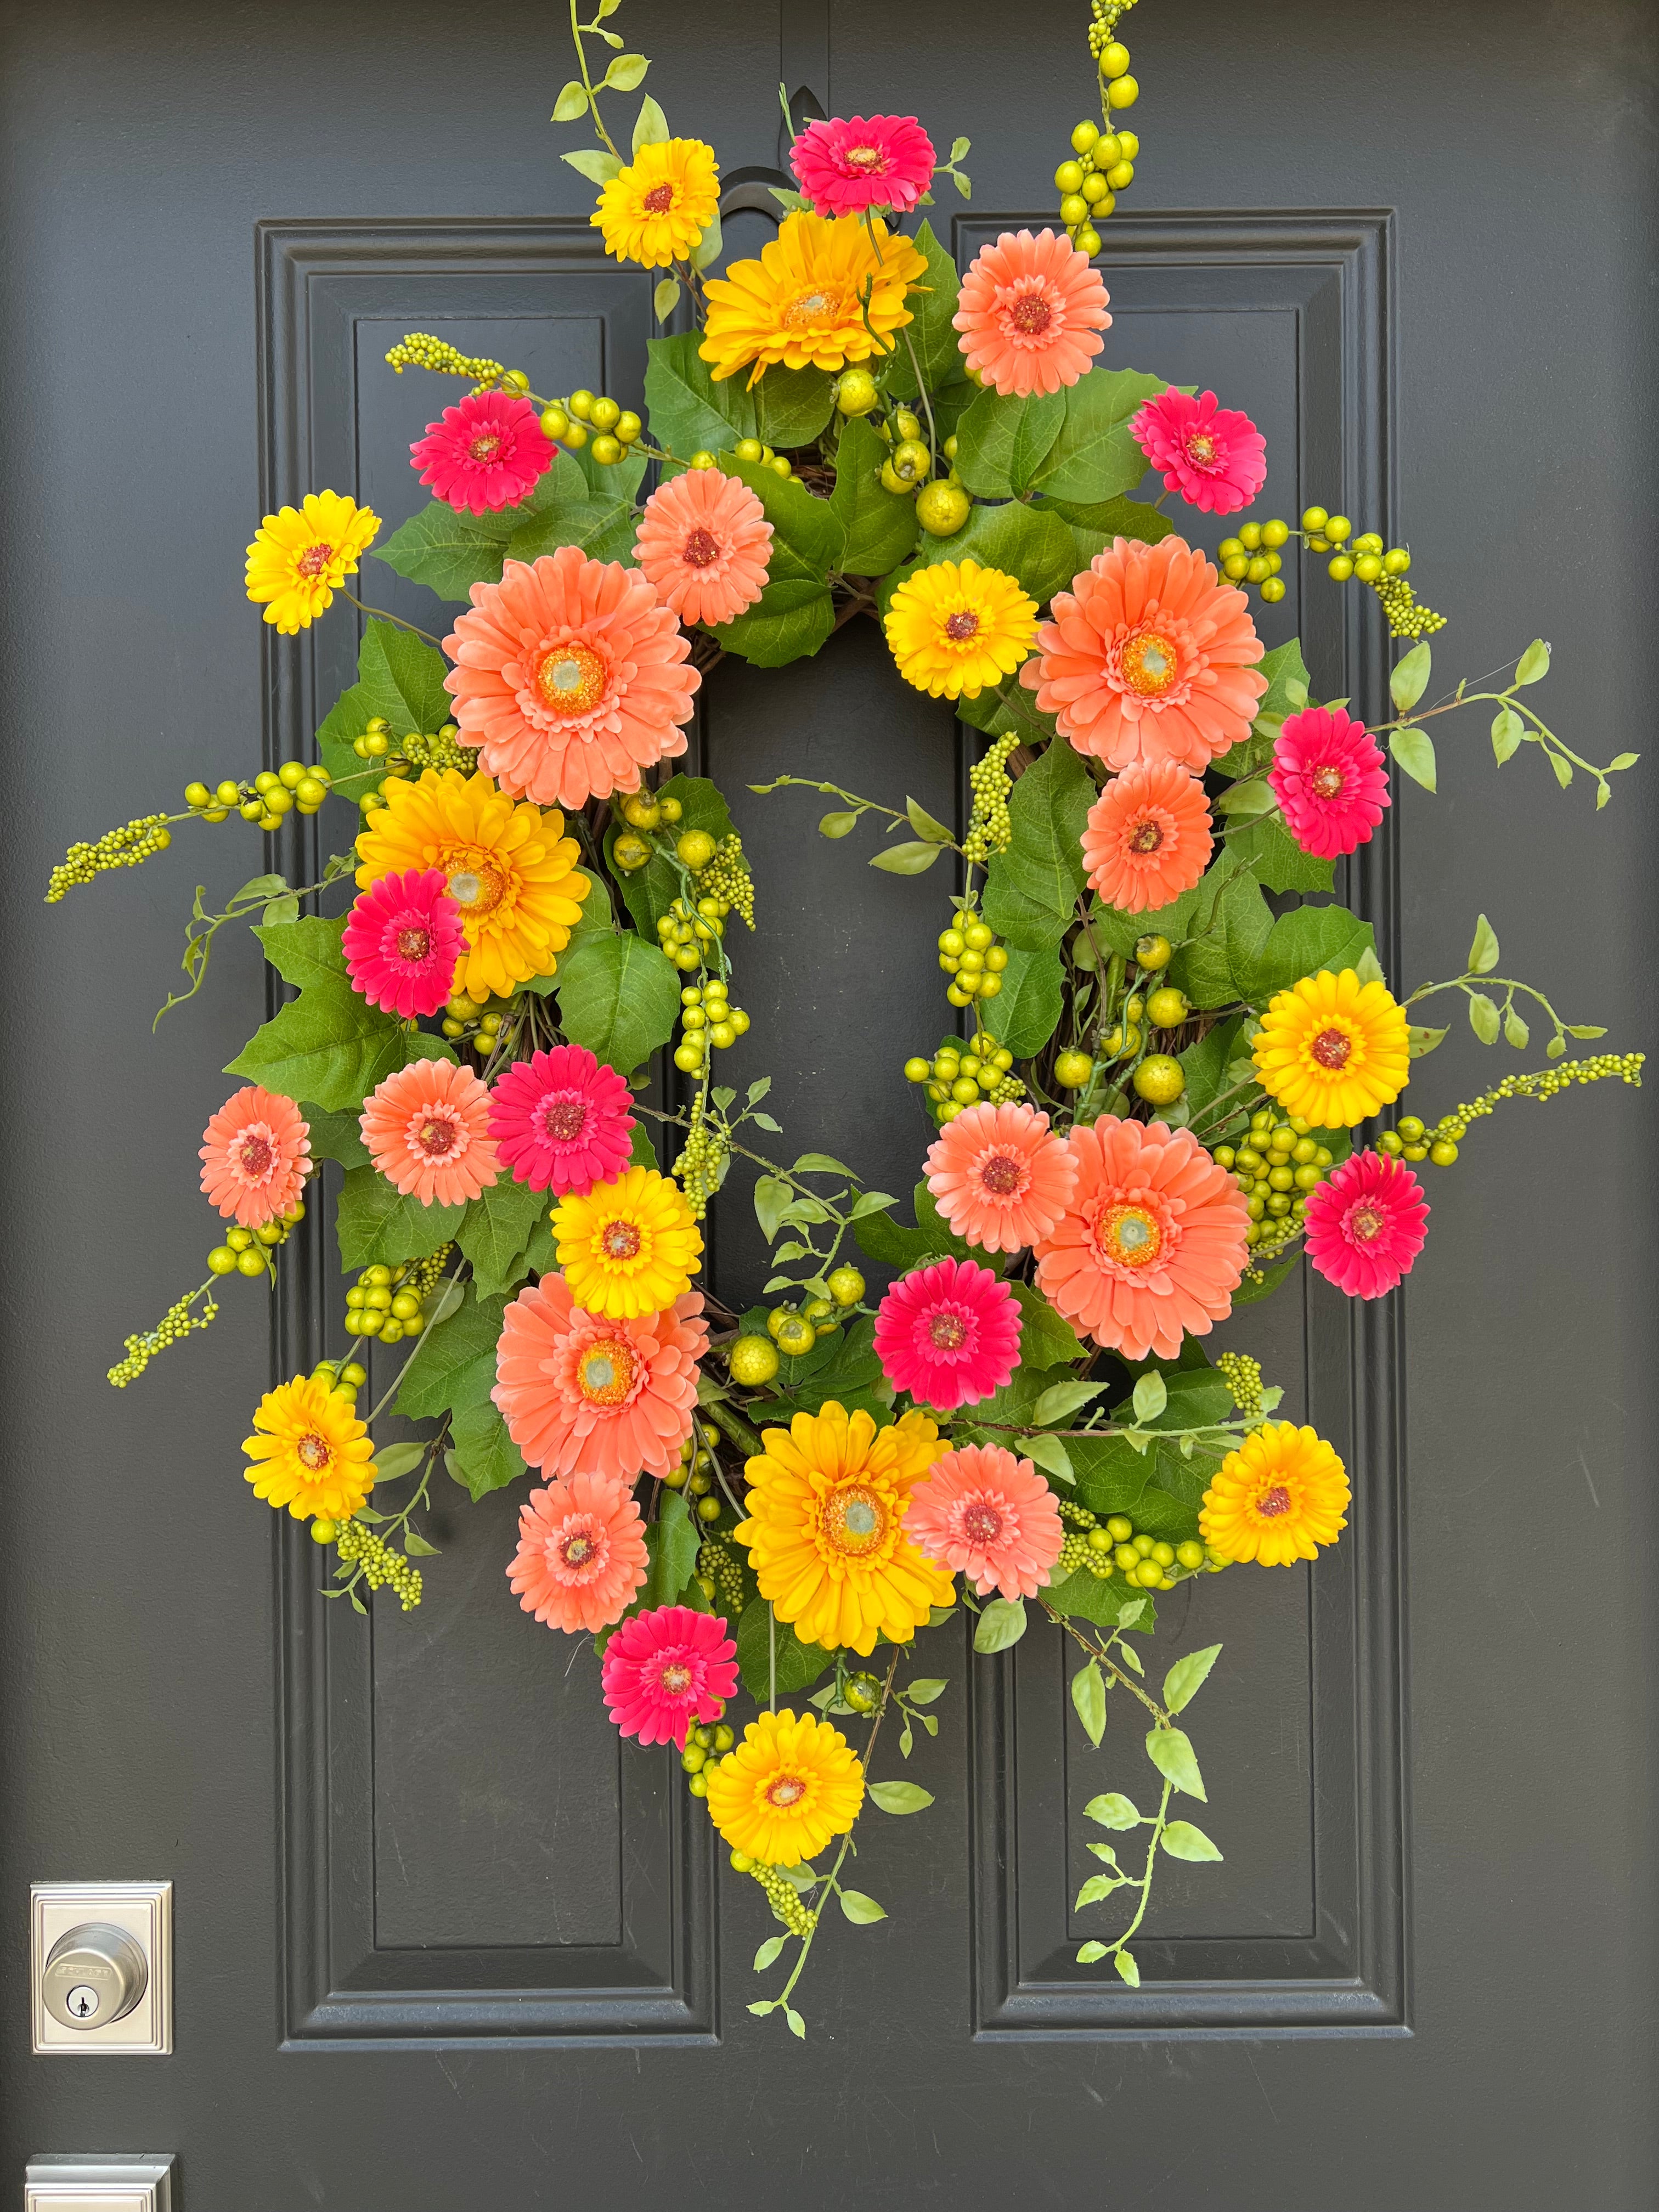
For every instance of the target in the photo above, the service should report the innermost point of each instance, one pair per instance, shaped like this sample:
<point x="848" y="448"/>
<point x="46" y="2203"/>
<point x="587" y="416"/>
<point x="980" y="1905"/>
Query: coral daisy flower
<point x="666" y="1668"/>
<point x="1149" y="657"/>
<point x="949" y="1334"/>
<point x="510" y="869"/>
<point x="956" y="628"/>
<point x="255" y="1155"/>
<point x="803" y="302"/>
<point x="581" y="1553"/>
<point x="489" y="451"/>
<point x="1366" y="1224"/>
<point x="1031" y="312"/>
<point x="999" y="1177"/>
<point x="560" y="1119"/>
<point x="1281" y="1495"/>
<point x="825" y="1532"/>
<point x="704" y="542"/>
<point x="615" y="1396"/>
<point x="1213" y="456"/>
<point x="1329" y="779"/>
<point x="656" y="210"/>
<point x="868" y="161"/>
<point x="426" y="1126"/>
<point x="299" y="555"/>
<point x="1148" y="838"/>
<point x="1333" y="1049"/>
<point x="1153" y="1243"/>
<point x="402" y="939"/>
<point x="571" y="677"/>
<point x="627" y="1247"/>
<point x="311" y="1453"/>
<point x="987" y="1515"/>
<point x="788" y="1787"/>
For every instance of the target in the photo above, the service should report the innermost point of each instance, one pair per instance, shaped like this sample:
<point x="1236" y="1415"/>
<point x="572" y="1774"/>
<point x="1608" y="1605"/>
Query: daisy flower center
<point x="563" y="1120"/>
<point x="1001" y="1175"/>
<point x="476" y="884"/>
<point x="313" y="1452"/>
<point x="255" y="1155"/>
<point x="1273" y="1501"/>
<point x="659" y="200"/>
<point x="314" y="561"/>
<point x="485" y="448"/>
<point x="1332" y="1049"/>
<point x="1147" y="836"/>
<point x="1149" y="664"/>
<point x="414" y="943"/>
<point x="1327" y="781"/>
<point x="817" y="306"/>
<point x="606" y="1372"/>
<point x="577" y="1550"/>
<point x="1364" y="1222"/>
<point x="572" y="679"/>
<point x="620" y="1240"/>
<point x="703" y="548"/>
<point x="1200" y="448"/>
<point x="1030" y="316"/>
<point x="1129" y="1235"/>
<point x="980" y="1522"/>
<point x="436" y="1135"/>
<point x="961" y="626"/>
<point x="854" y="1521"/>
<point x="866" y="160"/>
<point x="785" y="1790"/>
<point x="947" y="1331"/>
<point x="675" y="1678"/>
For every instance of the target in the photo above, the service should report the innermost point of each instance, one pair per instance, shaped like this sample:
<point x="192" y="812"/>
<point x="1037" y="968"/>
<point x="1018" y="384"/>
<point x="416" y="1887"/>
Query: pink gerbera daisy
<point x="581" y="1553"/>
<point x="704" y="542"/>
<point x="1364" y="1224"/>
<point x="613" y="1395"/>
<point x="948" y="1334"/>
<point x="869" y="161"/>
<point x="1328" y="777"/>
<point x="489" y="451"/>
<point x="666" y="1668"/>
<point x="1213" y="456"/>
<point x="983" y="1513"/>
<point x="1031" y="312"/>
<point x="402" y="939"/>
<point x="255" y="1155"/>
<point x="560" y="1119"/>
<point x="426" y="1127"/>
<point x="1148" y="838"/>
<point x="999" y="1177"/>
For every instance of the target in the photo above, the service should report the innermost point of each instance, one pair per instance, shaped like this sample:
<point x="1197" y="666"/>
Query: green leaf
<point x="1105" y="1603"/>
<point x="1584" y="1030"/>
<point x="337" y="1136"/>
<point x="485" y="1457"/>
<point x="1410" y="678"/>
<point x="912" y="858"/>
<point x="1089" y="1699"/>
<point x="448" y="552"/>
<point x="665" y="297"/>
<point x="1151" y="1396"/>
<point x="863" y="1911"/>
<point x="618" y="996"/>
<point x="571" y="102"/>
<point x="798" y="1664"/>
<point x="1031" y="890"/>
<point x="804" y="528"/>
<point x="1061" y="1399"/>
<point x="1483" y="952"/>
<point x="672" y="1541"/>
<point x="1186" y="1677"/>
<point x="1287" y="694"/>
<point x="795" y="614"/>
<point x="394" y="1461"/>
<point x="771" y="1194"/>
<point x="1415" y="750"/>
<point x="1303" y="943"/>
<point x="837" y="824"/>
<point x="1421" y="1042"/>
<point x="1046" y="1339"/>
<point x="1025" y="1013"/>
<point x="900" y="1796"/>
<point x="1124" y="1961"/>
<point x="626" y="72"/>
<point x="1113" y="1810"/>
<point x="304" y="952"/>
<point x="1098" y="1886"/>
<point x="1094" y="458"/>
<point x="650" y="125"/>
<point x="926" y="825"/>
<point x="1277" y="861"/>
<point x="1563" y="769"/>
<point x="417" y="1546"/>
<point x="880" y="525"/>
<point x="332" y="1048"/>
<point x="570" y="507"/>
<point x="1184" y="1841"/>
<point x="711" y="244"/>
<point x="1533" y="664"/>
<point x="1095" y="523"/>
<point x="792" y="619"/>
<point x="793" y="406"/>
<point x="932" y="334"/>
<point x="398" y="675"/>
<point x="1171" y="1752"/>
<point x="797" y="2025"/>
<point x="1020" y="540"/>
<point x="768" y="1954"/>
<point x="1507" y="731"/>
<point x="1002" y="442"/>
<point x="498" y="1226"/>
<point x="689" y="412"/>
<point x="1483" y="1018"/>
<point x="1088" y="1953"/>
<point x="1050" y="1453"/>
<point x="375" y="1224"/>
<point x="648" y="892"/>
<point x="453" y="1364"/>
<point x="1002" y="1622"/>
<point x="843" y="1366"/>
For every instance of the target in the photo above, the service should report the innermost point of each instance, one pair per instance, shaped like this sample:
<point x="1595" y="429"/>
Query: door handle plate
<point x="123" y="1932"/>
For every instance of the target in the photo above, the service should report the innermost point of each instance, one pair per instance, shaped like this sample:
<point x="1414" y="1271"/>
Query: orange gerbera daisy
<point x="426" y="1127"/>
<point x="1148" y="838"/>
<point x="704" y="542"/>
<point x="1152" y="1243"/>
<point x="571" y="678"/>
<point x="255" y="1155"/>
<point x="1149" y="657"/>
<point x="581" y="1553"/>
<point x="1031" y="312"/>
<point x="615" y="1396"/>
<point x="999" y="1177"/>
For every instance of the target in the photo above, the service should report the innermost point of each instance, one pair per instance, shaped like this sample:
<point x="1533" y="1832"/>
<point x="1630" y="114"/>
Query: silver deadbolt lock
<point x="95" y="1974"/>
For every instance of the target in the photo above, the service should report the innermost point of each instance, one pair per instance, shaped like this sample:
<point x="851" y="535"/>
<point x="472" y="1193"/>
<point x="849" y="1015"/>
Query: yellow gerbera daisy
<point x="800" y="303"/>
<point x="956" y="628"/>
<point x="511" y="869"/>
<point x="1333" y="1049"/>
<point x="825" y="1530"/>
<point x="656" y="210"/>
<point x="789" y="1787"/>
<point x="298" y="557"/>
<point x="314" y="1456"/>
<point x="630" y="1246"/>
<point x="1280" y="1496"/>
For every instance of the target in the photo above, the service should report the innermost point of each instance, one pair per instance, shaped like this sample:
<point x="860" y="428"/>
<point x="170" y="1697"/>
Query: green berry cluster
<point x="796" y="1329"/>
<point x="417" y="749"/>
<point x="1278" y="1168"/>
<point x="1103" y="162"/>
<point x="1383" y="568"/>
<point x="1115" y="1546"/>
<point x="990" y="827"/>
<point x="385" y="1302"/>
<point x="1411" y="1139"/>
<point x="700" y="1168"/>
<point x="726" y="877"/>
<point x="685" y="931"/>
<point x="247" y="1251"/>
<point x="296" y="788"/>
<point x="481" y="1022"/>
<point x="1407" y="619"/>
<point x="784" y="1899"/>
<point x="175" y="1324"/>
<point x="707" y="1018"/>
<point x="955" y="1079"/>
<point x="129" y="847"/>
<point x="717" y="1568"/>
<point x="1243" y="1376"/>
<point x="695" y="1473"/>
<point x="420" y="350"/>
<point x="1254" y="558"/>
<point x="568" y="423"/>
<point x="358" y="1548"/>
<point x="704" y="1743"/>
<point x="970" y="955"/>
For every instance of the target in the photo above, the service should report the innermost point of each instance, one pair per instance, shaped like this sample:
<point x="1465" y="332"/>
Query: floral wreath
<point x="1148" y="1111"/>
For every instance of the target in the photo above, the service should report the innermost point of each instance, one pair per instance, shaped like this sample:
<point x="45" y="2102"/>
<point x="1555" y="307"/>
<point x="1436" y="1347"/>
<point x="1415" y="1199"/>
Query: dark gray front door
<point x="438" y="1946"/>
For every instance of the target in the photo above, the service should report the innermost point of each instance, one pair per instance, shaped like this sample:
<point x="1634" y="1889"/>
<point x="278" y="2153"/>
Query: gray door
<point x="438" y="1945"/>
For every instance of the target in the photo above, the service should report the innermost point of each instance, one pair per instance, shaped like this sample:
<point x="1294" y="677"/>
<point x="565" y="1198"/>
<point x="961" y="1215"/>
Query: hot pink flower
<point x="560" y="1119"/>
<point x="1327" y="775"/>
<point x="1213" y="456"/>
<point x="665" y="1669"/>
<point x="983" y="1513"/>
<point x="255" y="1155"/>
<point x="872" y="160"/>
<point x="489" y="452"/>
<point x="581" y="1553"/>
<point x="402" y="939"/>
<point x="949" y="1334"/>
<point x="1366" y="1224"/>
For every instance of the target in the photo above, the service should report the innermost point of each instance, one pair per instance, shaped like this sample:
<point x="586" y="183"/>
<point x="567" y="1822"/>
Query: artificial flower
<point x="954" y="627"/>
<point x="786" y="1790"/>
<point x="987" y="1515"/>
<point x="560" y="1121"/>
<point x="654" y="211"/>
<point x="1332" y="1050"/>
<point x="581" y="1553"/>
<point x="510" y="869"/>
<point x="825" y="1532"/>
<point x="1153" y="1243"/>
<point x="1213" y="456"/>
<point x="949" y="1334"/>
<point x="1031" y="312"/>
<point x="299" y="555"/>
<point x="802" y="303"/>
<point x="571" y="677"/>
<point x="426" y="1127"/>
<point x="311" y="1453"/>
<point x="402" y="939"/>
<point x="627" y="1247"/>
<point x="489" y="451"/>
<point x="255" y="1155"/>
<point x="1329" y="779"/>
<point x="999" y="1178"/>
<point x="704" y="542"/>
<point x="1148" y="838"/>
<point x="1149" y="657"/>
<point x="665" y="1669"/>
<point x="1366" y="1224"/>
<point x="613" y="1396"/>
<point x="866" y="161"/>
<point x="1281" y="1495"/>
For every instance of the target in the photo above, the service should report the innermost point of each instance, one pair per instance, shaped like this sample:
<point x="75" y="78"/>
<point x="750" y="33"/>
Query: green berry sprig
<point x="990" y="826"/>
<point x="727" y="878"/>
<point x="175" y="1324"/>
<point x="1253" y="557"/>
<point x="129" y="847"/>
<point x="958" y="1077"/>
<point x="361" y="1551"/>
<point x="1277" y="1167"/>
<point x="420" y="350"/>
<point x="1411" y="1138"/>
<point x="721" y="1575"/>
<point x="1114" y="1546"/>
<point x="700" y="1168"/>
<point x="388" y="1303"/>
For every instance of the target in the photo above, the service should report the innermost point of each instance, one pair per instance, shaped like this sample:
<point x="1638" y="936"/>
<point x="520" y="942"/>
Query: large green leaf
<point x="336" y="1136"/>
<point x="592" y="507"/>
<point x="1094" y="458"/>
<point x="672" y="1542"/>
<point x="1273" y="856"/>
<point x="1024" y="1014"/>
<point x="880" y="524"/>
<point x="795" y="614"/>
<point x="498" y="1225"/>
<point x="304" y="952"/>
<point x="769" y="1652"/>
<point x="1002" y="442"/>
<point x="618" y="996"/>
<point x="332" y="1048"/>
<point x="454" y="1365"/>
<point x="1110" y="1473"/>
<point x="1089" y="1599"/>
<point x="804" y="525"/>
<point x="690" y="413"/>
<point x="1046" y="1339"/>
<point x="1094" y="525"/>
<point x="373" y="1223"/>
<point x="933" y="338"/>
<point x="1303" y="943"/>
<point x="1287" y="691"/>
<point x="1031" y="890"/>
<point x="1008" y="707"/>
<point x="1205" y="1063"/>
<point x="485" y="1456"/>
<point x="793" y="406"/>
<point x="448" y="552"/>
<point x="1036" y="548"/>
<point x="793" y="618"/>
<point x="400" y="677"/>
<point x="843" y="1367"/>
<point x="1220" y="966"/>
